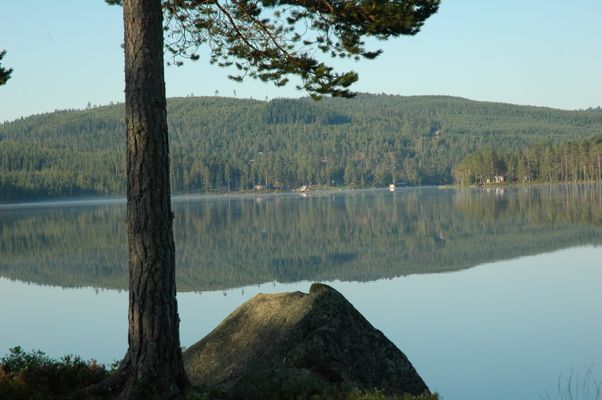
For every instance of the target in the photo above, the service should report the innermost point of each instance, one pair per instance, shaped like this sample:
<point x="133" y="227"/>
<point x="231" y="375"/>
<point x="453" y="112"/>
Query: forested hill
<point x="230" y="144"/>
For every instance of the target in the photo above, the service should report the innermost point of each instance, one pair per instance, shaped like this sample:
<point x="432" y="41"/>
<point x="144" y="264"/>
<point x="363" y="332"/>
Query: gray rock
<point x="293" y="345"/>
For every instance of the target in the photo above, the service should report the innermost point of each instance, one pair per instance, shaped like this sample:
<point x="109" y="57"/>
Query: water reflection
<point x="352" y="236"/>
<point x="503" y="330"/>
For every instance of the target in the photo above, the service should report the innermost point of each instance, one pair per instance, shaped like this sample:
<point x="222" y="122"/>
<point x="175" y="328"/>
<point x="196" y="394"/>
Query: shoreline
<point x="95" y="200"/>
<point x="515" y="185"/>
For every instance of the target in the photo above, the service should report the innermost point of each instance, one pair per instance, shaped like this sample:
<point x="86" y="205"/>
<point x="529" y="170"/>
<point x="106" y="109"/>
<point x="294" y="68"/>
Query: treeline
<point x="225" y="144"/>
<point x="573" y="161"/>
<point x="28" y="170"/>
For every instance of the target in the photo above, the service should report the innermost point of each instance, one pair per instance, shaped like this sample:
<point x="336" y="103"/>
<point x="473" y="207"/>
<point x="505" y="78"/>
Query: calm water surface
<point x="491" y="294"/>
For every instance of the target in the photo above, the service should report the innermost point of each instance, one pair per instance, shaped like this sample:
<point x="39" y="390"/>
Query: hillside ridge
<point x="227" y="144"/>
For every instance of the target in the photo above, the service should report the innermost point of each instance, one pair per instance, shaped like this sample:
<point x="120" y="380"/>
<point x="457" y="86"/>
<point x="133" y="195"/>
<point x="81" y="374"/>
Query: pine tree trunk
<point x="152" y="367"/>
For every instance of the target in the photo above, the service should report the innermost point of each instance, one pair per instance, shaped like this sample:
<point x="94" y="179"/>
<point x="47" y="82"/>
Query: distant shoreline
<point x="250" y="193"/>
<point x="513" y="185"/>
<point x="91" y="200"/>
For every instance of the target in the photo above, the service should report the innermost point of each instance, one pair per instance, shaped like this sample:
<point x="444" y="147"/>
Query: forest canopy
<point x="572" y="161"/>
<point x="227" y="144"/>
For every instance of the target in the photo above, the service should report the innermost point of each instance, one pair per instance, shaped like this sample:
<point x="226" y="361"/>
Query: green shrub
<point x="34" y="375"/>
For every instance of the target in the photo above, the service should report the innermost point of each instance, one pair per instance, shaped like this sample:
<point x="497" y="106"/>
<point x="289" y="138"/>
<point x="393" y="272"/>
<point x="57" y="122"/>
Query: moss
<point x="377" y="395"/>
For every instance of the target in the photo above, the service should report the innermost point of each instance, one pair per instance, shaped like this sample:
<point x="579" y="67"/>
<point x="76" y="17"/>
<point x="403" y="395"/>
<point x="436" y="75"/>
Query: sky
<point x="67" y="53"/>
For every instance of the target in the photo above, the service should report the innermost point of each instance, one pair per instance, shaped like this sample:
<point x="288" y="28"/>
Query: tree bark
<point x="152" y="367"/>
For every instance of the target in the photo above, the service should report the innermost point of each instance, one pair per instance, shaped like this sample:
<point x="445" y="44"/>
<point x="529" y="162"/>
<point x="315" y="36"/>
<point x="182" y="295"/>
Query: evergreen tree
<point x="4" y="73"/>
<point x="238" y="33"/>
<point x="573" y="161"/>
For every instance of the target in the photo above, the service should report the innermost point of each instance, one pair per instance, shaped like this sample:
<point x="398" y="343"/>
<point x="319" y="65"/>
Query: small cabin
<point x="495" y="179"/>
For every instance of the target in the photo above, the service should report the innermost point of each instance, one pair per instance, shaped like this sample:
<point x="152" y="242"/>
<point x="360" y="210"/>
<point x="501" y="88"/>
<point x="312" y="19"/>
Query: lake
<point x="491" y="293"/>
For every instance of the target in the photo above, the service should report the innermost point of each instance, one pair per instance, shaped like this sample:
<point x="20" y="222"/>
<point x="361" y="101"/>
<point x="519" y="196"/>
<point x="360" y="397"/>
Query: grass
<point x="575" y="386"/>
<point x="355" y="395"/>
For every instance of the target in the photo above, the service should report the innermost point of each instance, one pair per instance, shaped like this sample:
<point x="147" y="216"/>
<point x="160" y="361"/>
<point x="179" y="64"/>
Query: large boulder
<point x="292" y="345"/>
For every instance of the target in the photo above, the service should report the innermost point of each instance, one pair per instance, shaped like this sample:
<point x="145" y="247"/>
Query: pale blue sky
<point x="67" y="53"/>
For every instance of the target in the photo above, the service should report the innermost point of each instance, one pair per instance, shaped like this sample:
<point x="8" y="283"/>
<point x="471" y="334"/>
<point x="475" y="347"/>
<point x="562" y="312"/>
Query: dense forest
<point x="347" y="235"/>
<point x="572" y="161"/>
<point x="227" y="144"/>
